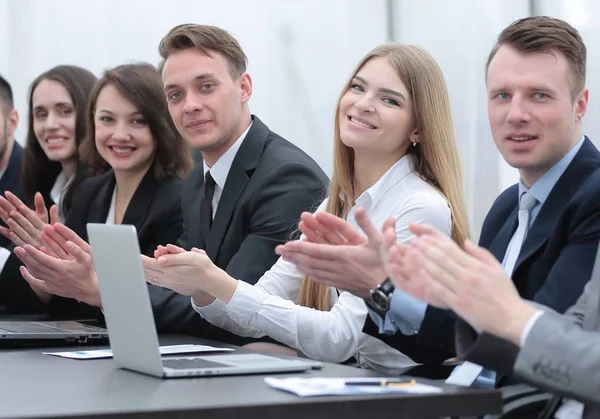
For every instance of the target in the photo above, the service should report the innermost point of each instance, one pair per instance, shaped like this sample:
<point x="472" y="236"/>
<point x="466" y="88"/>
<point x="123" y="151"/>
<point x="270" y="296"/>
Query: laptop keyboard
<point x="26" y="327"/>
<point x="192" y="363"/>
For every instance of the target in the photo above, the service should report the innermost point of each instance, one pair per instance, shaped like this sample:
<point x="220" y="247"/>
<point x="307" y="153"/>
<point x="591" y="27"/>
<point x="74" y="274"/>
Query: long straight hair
<point x="435" y="159"/>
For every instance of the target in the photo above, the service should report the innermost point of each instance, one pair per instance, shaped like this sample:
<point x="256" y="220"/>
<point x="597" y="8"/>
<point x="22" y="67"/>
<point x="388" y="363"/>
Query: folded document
<point x="318" y="386"/>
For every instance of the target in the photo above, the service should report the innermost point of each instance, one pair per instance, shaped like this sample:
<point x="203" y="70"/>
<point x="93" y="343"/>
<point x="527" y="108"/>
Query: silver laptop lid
<point x="125" y="300"/>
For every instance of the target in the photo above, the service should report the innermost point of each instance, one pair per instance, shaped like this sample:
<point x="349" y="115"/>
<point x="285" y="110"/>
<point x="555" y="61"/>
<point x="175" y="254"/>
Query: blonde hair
<point x="435" y="159"/>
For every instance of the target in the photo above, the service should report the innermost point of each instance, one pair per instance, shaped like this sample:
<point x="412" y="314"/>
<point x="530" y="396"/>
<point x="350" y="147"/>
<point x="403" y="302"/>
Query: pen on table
<point x="383" y="383"/>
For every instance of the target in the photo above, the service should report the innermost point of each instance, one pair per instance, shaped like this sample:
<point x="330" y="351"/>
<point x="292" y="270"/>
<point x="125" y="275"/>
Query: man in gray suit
<point x="501" y="331"/>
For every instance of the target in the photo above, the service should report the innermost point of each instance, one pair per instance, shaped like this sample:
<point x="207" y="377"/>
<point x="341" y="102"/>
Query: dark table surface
<point x="33" y="385"/>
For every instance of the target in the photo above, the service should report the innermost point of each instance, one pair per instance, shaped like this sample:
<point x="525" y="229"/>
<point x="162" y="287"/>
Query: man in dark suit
<point x="246" y="196"/>
<point x="10" y="150"/>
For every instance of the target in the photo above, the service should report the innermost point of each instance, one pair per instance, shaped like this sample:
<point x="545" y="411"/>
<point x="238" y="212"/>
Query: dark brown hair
<point x="205" y="39"/>
<point x="38" y="173"/>
<point x="546" y="34"/>
<point x="140" y="83"/>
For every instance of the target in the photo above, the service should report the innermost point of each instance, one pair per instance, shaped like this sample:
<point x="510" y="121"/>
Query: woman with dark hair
<point x="131" y="138"/>
<point x="56" y="128"/>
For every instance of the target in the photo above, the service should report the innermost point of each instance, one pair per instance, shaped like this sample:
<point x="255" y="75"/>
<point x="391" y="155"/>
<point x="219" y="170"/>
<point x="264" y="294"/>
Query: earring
<point x="414" y="143"/>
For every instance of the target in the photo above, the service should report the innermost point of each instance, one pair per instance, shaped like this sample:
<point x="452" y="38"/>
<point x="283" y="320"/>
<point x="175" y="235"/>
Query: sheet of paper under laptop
<point x="317" y="386"/>
<point x="164" y="350"/>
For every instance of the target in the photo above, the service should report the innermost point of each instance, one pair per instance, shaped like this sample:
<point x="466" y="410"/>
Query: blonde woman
<point x="396" y="156"/>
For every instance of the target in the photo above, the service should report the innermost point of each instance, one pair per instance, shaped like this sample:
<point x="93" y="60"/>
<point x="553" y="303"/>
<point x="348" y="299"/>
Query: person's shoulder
<point x="91" y="183"/>
<point x="170" y="188"/>
<point x="195" y="176"/>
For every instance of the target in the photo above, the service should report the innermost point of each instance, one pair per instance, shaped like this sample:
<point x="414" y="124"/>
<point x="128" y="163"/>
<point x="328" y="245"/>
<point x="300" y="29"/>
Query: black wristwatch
<point x="381" y="296"/>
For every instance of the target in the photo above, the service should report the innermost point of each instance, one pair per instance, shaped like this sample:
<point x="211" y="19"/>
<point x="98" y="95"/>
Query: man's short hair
<point x="205" y="39"/>
<point x="6" y="94"/>
<point x="546" y="34"/>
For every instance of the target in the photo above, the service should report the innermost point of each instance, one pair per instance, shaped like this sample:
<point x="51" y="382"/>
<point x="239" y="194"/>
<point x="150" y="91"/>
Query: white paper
<point x="465" y="374"/>
<point x="307" y="387"/>
<point x="164" y="350"/>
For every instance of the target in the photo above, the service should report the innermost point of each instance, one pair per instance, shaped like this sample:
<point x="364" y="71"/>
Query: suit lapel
<point x="101" y="202"/>
<point x="139" y="207"/>
<point x="244" y="163"/>
<point x="585" y="161"/>
<point x="500" y="243"/>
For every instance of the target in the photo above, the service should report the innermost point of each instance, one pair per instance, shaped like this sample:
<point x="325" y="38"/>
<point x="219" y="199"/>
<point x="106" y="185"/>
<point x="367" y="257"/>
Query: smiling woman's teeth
<point x="362" y="124"/>
<point x="122" y="150"/>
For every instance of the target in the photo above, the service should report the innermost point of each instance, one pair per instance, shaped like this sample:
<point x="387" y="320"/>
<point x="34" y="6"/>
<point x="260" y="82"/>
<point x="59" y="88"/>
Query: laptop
<point x="21" y="332"/>
<point x="130" y="321"/>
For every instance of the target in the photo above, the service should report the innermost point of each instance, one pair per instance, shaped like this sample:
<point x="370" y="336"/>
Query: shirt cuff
<point x="528" y="326"/>
<point x="217" y="306"/>
<point x="4" y="255"/>
<point x="245" y="303"/>
<point x="406" y="313"/>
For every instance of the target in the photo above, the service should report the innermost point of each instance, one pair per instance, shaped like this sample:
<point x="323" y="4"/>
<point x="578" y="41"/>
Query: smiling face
<point x="533" y="115"/>
<point x="54" y="120"/>
<point x="123" y="137"/>
<point x="375" y="113"/>
<point x="207" y="105"/>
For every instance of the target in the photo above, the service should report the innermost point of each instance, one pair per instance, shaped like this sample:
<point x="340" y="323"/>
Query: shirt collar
<point x="369" y="198"/>
<point x="59" y="186"/>
<point x="220" y="170"/>
<point x="544" y="185"/>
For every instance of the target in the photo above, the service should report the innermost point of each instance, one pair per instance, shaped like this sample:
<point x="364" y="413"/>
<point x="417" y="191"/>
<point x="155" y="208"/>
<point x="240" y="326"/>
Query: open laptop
<point x="41" y="333"/>
<point x="130" y="321"/>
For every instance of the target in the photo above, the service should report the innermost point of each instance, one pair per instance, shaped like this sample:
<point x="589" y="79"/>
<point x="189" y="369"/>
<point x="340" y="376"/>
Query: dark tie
<point x="206" y="206"/>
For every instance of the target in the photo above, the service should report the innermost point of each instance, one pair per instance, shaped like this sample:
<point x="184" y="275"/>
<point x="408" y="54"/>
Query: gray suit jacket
<point x="561" y="353"/>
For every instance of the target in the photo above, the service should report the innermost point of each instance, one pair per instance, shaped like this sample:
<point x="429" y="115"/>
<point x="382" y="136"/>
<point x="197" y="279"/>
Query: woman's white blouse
<point x="270" y="308"/>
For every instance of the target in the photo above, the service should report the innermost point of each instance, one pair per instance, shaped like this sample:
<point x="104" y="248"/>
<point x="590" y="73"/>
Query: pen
<point x="383" y="383"/>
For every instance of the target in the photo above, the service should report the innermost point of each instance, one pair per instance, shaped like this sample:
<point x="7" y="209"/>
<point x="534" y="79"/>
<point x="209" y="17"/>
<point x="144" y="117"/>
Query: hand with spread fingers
<point x="188" y="273"/>
<point x="24" y="224"/>
<point x="471" y="282"/>
<point x="72" y="275"/>
<point x="401" y="263"/>
<point x="335" y="254"/>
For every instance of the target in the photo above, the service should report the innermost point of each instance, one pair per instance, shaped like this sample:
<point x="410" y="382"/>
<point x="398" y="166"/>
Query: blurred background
<point x="300" y="54"/>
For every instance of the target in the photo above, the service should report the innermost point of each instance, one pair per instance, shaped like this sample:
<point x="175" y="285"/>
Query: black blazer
<point x="270" y="183"/>
<point x="11" y="181"/>
<point x="556" y="259"/>
<point x="154" y="210"/>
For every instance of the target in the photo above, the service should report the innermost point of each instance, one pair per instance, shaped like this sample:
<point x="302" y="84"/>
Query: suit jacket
<point x="154" y="210"/>
<point x="11" y="181"/>
<point x="556" y="258"/>
<point x="270" y="183"/>
<point x="560" y="353"/>
<point x="558" y="253"/>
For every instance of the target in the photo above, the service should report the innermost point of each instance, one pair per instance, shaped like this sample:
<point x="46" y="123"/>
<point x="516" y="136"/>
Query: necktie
<point x="467" y="373"/>
<point x="526" y="204"/>
<point x="206" y="205"/>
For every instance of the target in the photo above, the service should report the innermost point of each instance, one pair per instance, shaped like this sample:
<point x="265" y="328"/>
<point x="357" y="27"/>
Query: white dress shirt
<point x="220" y="170"/>
<point x="110" y="218"/>
<point x="269" y="307"/>
<point x="60" y="184"/>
